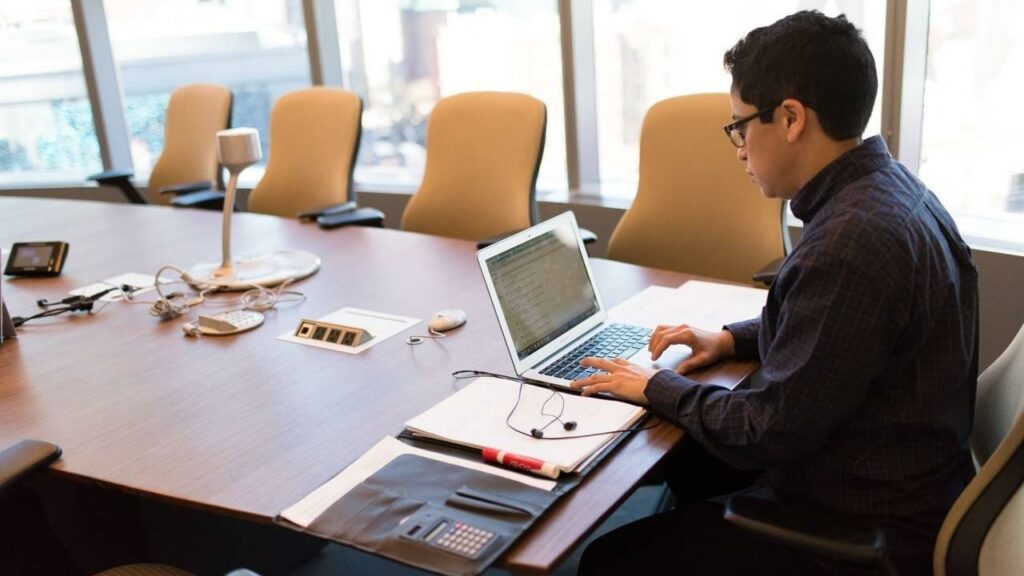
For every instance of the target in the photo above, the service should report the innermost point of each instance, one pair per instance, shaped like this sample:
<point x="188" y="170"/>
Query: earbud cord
<point x="465" y="374"/>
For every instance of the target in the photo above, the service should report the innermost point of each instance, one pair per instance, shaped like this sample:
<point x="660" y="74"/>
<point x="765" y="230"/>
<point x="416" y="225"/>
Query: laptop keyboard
<point x="614" y="341"/>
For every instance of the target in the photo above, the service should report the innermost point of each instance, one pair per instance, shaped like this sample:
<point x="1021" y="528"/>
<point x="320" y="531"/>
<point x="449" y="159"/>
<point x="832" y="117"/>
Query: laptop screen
<point x="543" y="288"/>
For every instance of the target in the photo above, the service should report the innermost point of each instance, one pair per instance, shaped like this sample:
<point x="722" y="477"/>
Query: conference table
<point x="247" y="425"/>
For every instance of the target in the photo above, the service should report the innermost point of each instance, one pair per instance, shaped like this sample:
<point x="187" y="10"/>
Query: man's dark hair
<point x="822" y="62"/>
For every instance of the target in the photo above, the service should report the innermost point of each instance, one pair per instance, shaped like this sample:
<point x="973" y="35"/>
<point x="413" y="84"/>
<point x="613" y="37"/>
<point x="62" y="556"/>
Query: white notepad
<point x="475" y="417"/>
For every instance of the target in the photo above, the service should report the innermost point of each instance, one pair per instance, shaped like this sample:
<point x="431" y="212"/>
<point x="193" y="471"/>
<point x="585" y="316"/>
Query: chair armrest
<point x="358" y="217"/>
<point x="815" y="532"/>
<point x="494" y="239"/>
<point x="208" y="200"/>
<point x="122" y="180"/>
<point x="342" y="208"/>
<point x="767" y="274"/>
<point x="22" y="458"/>
<point x="110" y="176"/>
<point x="587" y="236"/>
<point x="187" y="187"/>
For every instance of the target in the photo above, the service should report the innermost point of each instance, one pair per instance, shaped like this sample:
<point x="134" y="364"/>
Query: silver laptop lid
<point x="542" y="289"/>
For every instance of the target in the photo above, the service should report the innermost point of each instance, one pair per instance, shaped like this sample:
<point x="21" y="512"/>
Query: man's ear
<point x="794" y="118"/>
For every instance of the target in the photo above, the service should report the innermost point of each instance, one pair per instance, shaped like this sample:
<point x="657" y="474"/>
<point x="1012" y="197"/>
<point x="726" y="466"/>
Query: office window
<point x="403" y="55"/>
<point x="972" y="140"/>
<point x="649" y="50"/>
<point x="46" y="127"/>
<point x="255" y="47"/>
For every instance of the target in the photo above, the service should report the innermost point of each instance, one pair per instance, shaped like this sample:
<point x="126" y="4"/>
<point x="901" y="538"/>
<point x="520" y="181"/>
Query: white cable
<point x="418" y="338"/>
<point x="171" y="306"/>
<point x="262" y="299"/>
<point x="175" y="304"/>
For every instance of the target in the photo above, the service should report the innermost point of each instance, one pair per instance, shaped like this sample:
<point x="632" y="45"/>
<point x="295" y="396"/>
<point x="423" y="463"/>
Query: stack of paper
<point x="706" y="305"/>
<point x="481" y="415"/>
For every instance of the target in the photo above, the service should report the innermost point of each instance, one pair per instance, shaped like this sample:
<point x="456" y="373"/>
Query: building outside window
<point x="404" y="55"/>
<point x="972" y="139"/>
<point x="46" y="128"/>
<point x="649" y="50"/>
<point x="257" y="48"/>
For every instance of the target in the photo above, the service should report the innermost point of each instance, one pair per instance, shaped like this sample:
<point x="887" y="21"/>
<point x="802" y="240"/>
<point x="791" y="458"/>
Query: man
<point x="868" y="340"/>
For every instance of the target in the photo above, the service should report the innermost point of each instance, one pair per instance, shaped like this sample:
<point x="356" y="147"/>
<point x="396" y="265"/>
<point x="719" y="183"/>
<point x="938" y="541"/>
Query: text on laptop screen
<point x="543" y="289"/>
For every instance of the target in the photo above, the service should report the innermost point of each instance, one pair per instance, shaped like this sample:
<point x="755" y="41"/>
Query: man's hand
<point x="708" y="347"/>
<point x="625" y="380"/>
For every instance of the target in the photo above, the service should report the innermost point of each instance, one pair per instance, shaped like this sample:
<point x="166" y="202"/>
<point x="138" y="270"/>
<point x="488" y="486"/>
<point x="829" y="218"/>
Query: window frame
<point x="901" y="93"/>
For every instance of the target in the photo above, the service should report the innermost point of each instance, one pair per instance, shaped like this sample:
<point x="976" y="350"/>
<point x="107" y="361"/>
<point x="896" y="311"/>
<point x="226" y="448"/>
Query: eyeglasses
<point x="737" y="131"/>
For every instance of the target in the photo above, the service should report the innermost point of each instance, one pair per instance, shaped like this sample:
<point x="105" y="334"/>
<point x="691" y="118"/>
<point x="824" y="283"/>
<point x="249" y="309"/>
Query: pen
<point x="521" y="463"/>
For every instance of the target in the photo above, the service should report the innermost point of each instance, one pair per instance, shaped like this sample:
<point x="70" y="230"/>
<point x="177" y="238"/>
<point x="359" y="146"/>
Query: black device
<point x="36" y="258"/>
<point x="6" y="324"/>
<point x="69" y="304"/>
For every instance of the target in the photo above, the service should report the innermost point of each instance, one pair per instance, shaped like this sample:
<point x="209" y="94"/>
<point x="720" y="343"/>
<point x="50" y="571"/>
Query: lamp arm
<point x="227" y="269"/>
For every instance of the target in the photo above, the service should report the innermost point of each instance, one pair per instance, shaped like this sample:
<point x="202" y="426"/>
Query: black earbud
<point x="569" y="426"/>
<point x="537" y="433"/>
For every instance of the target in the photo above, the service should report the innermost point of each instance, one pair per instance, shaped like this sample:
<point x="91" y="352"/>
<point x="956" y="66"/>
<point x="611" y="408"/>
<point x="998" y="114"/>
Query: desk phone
<point x="224" y="323"/>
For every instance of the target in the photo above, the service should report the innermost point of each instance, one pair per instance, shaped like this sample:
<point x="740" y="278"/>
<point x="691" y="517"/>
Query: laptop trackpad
<point x="669" y="358"/>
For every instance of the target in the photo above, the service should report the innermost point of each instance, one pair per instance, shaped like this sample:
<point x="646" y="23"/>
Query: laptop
<point x="550" y="312"/>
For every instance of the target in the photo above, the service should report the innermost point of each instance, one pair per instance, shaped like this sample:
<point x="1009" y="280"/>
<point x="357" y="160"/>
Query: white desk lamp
<point x="237" y="149"/>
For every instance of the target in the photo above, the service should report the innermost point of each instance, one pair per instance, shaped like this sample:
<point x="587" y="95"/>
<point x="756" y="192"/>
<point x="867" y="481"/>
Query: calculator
<point x="448" y="534"/>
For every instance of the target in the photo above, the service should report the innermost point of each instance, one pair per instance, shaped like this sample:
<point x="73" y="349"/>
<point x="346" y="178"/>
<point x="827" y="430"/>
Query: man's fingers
<point x="599" y="363"/>
<point x="692" y="363"/>
<point x="597" y="388"/>
<point x="679" y="335"/>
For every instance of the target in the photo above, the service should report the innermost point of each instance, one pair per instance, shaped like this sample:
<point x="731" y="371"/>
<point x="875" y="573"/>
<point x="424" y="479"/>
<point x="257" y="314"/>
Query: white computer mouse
<point x="447" y="319"/>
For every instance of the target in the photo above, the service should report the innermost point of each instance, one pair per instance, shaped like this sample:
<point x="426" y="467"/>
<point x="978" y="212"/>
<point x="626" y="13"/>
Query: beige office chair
<point x="314" y="139"/>
<point x="695" y="210"/>
<point x="188" y="163"/>
<point x="982" y="533"/>
<point x="483" y="153"/>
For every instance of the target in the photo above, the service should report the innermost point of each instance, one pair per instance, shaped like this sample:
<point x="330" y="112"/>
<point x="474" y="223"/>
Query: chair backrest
<point x="314" y="139"/>
<point x="984" y="531"/>
<point x="195" y="113"/>
<point x="483" y="153"/>
<point x="695" y="210"/>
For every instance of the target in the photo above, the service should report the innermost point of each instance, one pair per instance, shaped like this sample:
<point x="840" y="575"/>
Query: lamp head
<point x="238" y="148"/>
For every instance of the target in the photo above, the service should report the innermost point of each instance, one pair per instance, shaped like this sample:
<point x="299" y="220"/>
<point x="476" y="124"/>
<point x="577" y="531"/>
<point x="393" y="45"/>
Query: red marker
<point x="521" y="463"/>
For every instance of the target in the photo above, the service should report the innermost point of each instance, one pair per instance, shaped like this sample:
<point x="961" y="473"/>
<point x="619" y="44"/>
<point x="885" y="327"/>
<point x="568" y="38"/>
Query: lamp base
<point x="258" y="269"/>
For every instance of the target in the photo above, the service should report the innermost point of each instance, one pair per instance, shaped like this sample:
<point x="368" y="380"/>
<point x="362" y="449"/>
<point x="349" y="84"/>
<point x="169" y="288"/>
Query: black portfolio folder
<point x="439" y="516"/>
<point x="433" y="515"/>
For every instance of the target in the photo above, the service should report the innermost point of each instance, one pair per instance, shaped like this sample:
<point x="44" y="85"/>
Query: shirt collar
<point x="871" y="155"/>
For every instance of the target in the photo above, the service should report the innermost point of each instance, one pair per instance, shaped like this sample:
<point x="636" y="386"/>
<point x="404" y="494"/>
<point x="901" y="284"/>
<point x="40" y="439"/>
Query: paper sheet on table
<point x="141" y="283"/>
<point x="382" y="326"/>
<point x="309" y="508"/>
<point x="702" y="304"/>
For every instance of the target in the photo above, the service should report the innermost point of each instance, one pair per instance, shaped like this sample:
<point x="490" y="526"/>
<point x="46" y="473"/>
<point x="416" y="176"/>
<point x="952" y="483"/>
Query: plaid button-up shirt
<point x="868" y="349"/>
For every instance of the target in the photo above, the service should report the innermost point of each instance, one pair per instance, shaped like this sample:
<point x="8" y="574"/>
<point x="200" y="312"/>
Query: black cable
<point x="73" y="304"/>
<point x="464" y="374"/>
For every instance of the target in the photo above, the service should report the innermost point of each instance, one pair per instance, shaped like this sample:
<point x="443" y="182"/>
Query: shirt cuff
<point x="665" y="390"/>
<point x="745" y="336"/>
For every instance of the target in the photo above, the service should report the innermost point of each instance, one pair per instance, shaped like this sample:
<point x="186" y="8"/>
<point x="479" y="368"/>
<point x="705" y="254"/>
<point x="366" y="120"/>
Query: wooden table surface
<point x="247" y="425"/>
